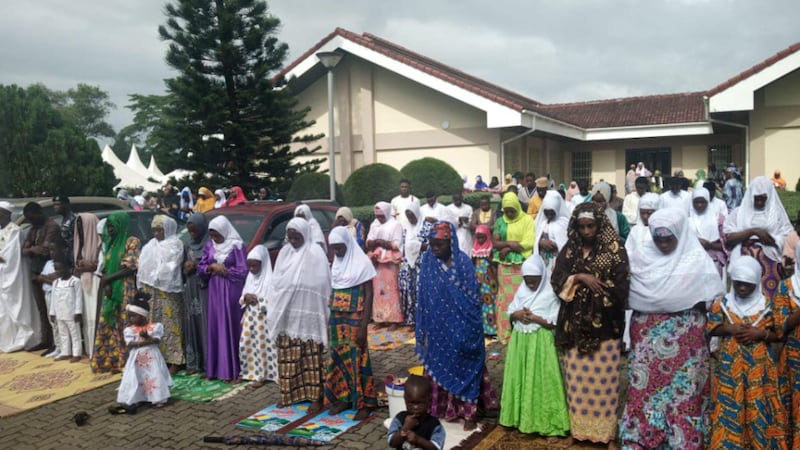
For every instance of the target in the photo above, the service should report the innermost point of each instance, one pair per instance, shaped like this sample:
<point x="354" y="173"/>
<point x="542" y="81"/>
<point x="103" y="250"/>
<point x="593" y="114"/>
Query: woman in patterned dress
<point x="117" y="287"/>
<point x="513" y="237"/>
<point x="672" y="279"/>
<point x="258" y="357"/>
<point x="412" y="246"/>
<point x="787" y="318"/>
<point x="349" y="382"/>
<point x="383" y="245"/>
<point x="486" y="272"/>
<point x="747" y="409"/>
<point x="552" y="222"/>
<point x="160" y="276"/>
<point x="591" y="279"/>
<point x="758" y="228"/>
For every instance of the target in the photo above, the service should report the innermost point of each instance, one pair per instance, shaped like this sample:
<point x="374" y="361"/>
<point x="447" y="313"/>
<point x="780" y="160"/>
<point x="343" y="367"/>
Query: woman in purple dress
<point x="224" y="266"/>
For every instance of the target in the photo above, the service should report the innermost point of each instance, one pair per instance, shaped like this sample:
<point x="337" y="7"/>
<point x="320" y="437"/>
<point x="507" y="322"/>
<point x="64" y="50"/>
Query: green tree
<point x="153" y="131"/>
<point x="44" y="152"/>
<point x="226" y="52"/>
<point x="85" y="106"/>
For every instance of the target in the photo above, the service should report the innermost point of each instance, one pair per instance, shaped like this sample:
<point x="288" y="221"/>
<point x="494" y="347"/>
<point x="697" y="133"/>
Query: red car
<point x="265" y="222"/>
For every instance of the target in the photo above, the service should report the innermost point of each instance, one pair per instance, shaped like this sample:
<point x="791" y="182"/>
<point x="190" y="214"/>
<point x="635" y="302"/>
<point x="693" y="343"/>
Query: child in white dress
<point x="146" y="377"/>
<point x="66" y="311"/>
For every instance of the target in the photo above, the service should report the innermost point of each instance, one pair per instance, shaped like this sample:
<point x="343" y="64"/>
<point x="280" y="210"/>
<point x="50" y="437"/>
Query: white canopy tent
<point x="133" y="173"/>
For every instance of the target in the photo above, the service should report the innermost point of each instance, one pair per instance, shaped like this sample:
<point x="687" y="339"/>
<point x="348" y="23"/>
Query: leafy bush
<point x="313" y="186"/>
<point x="432" y="175"/>
<point x="371" y="184"/>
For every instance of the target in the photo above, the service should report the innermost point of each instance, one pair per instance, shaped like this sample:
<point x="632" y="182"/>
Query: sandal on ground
<point x="120" y="409"/>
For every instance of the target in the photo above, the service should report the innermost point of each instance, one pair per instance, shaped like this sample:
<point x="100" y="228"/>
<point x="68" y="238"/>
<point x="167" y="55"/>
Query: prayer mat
<point x="455" y="436"/>
<point x="273" y="418"/>
<point x="502" y="438"/>
<point x="325" y="427"/>
<point x="382" y="338"/>
<point x="28" y="380"/>
<point x="196" y="388"/>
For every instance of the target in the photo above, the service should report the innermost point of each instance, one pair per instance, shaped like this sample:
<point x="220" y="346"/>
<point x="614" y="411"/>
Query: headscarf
<point x="222" y="200"/>
<point x="605" y="190"/>
<point x="640" y="233"/>
<point x="706" y="225"/>
<point x="772" y="218"/>
<point x="232" y="239"/>
<point x="259" y="283"/>
<point x="237" y="197"/>
<point x="160" y="261"/>
<point x="543" y="301"/>
<point x="206" y="203"/>
<point x="390" y="230"/>
<point x="347" y="213"/>
<point x="585" y="318"/>
<point x="451" y="350"/>
<point x="557" y="229"/>
<point x="520" y="229"/>
<point x="482" y="250"/>
<point x="354" y="267"/>
<point x="745" y="269"/>
<point x="675" y="282"/>
<point x="86" y="243"/>
<point x="114" y="254"/>
<point x="317" y="235"/>
<point x="199" y="221"/>
<point x="301" y="286"/>
<point x="187" y="200"/>
<point x="412" y="243"/>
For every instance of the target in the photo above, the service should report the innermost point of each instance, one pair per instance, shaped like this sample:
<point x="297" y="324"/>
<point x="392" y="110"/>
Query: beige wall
<point x="775" y="130"/>
<point x="467" y="160"/>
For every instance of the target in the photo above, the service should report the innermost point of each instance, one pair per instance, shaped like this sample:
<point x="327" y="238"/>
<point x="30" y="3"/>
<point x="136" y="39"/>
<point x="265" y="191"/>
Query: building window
<point x="719" y="156"/>
<point x="582" y="166"/>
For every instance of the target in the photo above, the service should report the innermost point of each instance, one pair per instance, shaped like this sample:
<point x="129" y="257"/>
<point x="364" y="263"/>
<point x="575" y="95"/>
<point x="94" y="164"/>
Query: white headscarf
<point x="221" y="202"/>
<point x="605" y="189"/>
<point x="390" y="230"/>
<point x="748" y="270"/>
<point x="772" y="218"/>
<point x="412" y="245"/>
<point x="640" y="233"/>
<point x="221" y="225"/>
<point x="354" y="267"/>
<point x="160" y="262"/>
<point x="543" y="302"/>
<point x="675" y="282"/>
<point x="259" y="283"/>
<point x="301" y="286"/>
<point x="706" y="225"/>
<point x="317" y="235"/>
<point x="557" y="229"/>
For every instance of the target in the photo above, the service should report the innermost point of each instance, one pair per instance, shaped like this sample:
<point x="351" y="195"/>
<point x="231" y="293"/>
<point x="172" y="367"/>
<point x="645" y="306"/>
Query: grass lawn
<point x="791" y="201"/>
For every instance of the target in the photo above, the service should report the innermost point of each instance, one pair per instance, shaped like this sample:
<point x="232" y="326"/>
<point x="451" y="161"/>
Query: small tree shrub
<point x="371" y="184"/>
<point x="432" y="175"/>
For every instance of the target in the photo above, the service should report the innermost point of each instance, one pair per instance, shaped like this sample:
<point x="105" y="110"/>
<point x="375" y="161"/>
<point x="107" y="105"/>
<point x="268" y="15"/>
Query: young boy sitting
<point x="414" y="428"/>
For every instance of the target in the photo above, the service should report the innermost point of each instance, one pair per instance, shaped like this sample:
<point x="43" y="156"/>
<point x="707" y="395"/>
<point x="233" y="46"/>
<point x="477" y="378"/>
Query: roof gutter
<point x="737" y="125"/>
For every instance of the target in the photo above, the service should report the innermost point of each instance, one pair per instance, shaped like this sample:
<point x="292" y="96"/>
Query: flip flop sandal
<point x="117" y="410"/>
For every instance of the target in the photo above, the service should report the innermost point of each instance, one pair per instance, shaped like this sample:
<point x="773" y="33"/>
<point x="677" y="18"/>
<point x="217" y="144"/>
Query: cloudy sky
<point x="550" y="50"/>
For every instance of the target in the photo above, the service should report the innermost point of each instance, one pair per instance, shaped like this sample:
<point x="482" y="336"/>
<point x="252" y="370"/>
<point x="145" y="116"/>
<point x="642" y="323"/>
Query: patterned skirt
<point x="669" y="381"/>
<point x="487" y="277"/>
<point x="386" y="306"/>
<point x="770" y="276"/>
<point x="258" y="358"/>
<point x="592" y="384"/>
<point x="110" y="352"/>
<point x="167" y="308"/>
<point x="408" y="292"/>
<point x="349" y="377"/>
<point x="447" y="406"/>
<point x="509" y="279"/>
<point x="301" y="370"/>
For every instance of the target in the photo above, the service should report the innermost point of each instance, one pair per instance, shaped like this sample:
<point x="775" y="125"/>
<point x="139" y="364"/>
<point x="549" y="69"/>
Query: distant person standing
<point x="535" y="202"/>
<point x="401" y="202"/>
<point x="432" y="210"/>
<point x="18" y="319"/>
<point x="630" y="179"/>
<point x="62" y="207"/>
<point x="732" y="191"/>
<point x="44" y="231"/>
<point x="461" y="213"/>
<point x="630" y="206"/>
<point x="778" y="181"/>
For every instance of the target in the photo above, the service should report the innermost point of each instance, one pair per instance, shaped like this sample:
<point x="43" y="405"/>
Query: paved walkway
<point x="182" y="425"/>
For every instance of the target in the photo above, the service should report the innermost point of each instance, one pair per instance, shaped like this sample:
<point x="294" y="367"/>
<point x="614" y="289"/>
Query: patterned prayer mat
<point x="384" y="338"/>
<point x="273" y="418"/>
<point x="325" y="427"/>
<point x="195" y="388"/>
<point x="28" y="380"/>
<point x="502" y="438"/>
<point x="294" y="420"/>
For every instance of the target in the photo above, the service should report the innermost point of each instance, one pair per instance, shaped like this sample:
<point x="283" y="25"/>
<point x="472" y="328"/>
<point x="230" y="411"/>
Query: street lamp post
<point x="329" y="60"/>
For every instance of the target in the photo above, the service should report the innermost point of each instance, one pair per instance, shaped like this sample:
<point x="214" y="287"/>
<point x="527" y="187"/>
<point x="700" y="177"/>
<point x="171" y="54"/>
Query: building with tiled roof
<point x="393" y="105"/>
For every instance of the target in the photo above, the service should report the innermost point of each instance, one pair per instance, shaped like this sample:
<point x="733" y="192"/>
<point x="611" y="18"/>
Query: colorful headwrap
<point x="440" y="230"/>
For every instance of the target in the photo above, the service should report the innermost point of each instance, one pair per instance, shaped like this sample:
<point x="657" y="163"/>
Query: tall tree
<point x="44" y="152"/>
<point x="153" y="131"/>
<point x="225" y="52"/>
<point x="85" y="106"/>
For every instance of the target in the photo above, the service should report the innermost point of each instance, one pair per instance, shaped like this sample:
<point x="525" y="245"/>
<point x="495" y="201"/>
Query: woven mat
<point x="28" y="380"/>
<point x="384" y="338"/>
<point x="502" y="438"/>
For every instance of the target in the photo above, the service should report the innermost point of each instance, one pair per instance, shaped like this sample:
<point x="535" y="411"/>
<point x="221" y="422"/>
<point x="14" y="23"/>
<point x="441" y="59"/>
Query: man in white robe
<point x="459" y="214"/>
<point x="432" y="210"/>
<point x="19" y="321"/>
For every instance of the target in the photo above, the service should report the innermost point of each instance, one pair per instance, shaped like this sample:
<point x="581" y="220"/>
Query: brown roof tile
<point x="754" y="70"/>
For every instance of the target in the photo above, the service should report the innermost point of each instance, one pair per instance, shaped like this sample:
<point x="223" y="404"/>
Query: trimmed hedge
<point x="371" y="184"/>
<point x="431" y="174"/>
<point x="313" y="186"/>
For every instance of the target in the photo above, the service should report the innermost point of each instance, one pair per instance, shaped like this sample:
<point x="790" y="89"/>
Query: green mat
<point x="195" y="388"/>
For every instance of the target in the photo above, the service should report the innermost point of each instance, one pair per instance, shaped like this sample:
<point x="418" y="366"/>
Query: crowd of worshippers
<point x="570" y="284"/>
